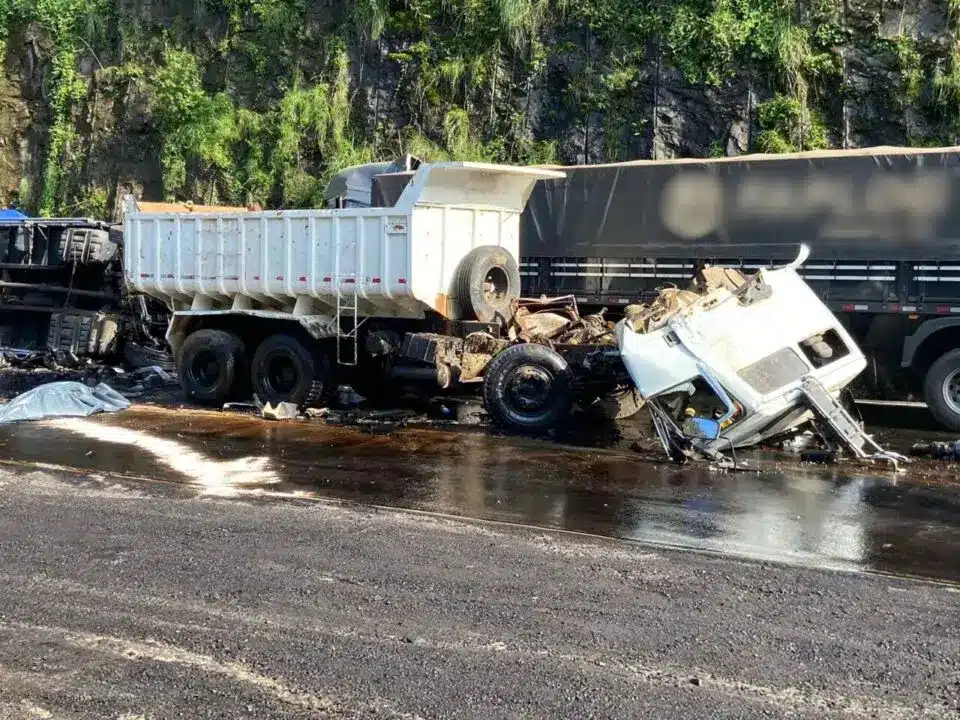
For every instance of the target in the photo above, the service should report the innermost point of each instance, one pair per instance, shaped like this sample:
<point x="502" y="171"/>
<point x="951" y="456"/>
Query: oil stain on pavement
<point x="828" y="518"/>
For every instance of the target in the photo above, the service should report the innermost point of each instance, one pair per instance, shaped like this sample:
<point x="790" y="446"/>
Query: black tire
<point x="372" y="380"/>
<point x="486" y="282"/>
<point x="621" y="405"/>
<point x="285" y="370"/>
<point x="138" y="356"/>
<point x="526" y="389"/>
<point x="212" y="365"/>
<point x="941" y="389"/>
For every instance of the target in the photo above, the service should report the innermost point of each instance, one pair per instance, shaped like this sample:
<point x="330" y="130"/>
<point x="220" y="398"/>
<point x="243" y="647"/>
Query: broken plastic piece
<point x="280" y="411"/>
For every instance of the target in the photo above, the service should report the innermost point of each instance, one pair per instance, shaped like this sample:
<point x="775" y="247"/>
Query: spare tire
<point x="211" y="364"/>
<point x="527" y="388"/>
<point x="285" y="370"/>
<point x="487" y="280"/>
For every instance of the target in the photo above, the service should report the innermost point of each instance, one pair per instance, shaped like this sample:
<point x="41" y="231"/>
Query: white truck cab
<point x="761" y="349"/>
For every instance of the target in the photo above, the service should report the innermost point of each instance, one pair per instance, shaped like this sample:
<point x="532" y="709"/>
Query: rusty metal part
<point x="549" y="320"/>
<point x="706" y="288"/>
<point x="711" y="278"/>
<point x="462" y="361"/>
<point x="473" y="365"/>
<point x="646" y="318"/>
<point x="483" y="342"/>
<point x="546" y="324"/>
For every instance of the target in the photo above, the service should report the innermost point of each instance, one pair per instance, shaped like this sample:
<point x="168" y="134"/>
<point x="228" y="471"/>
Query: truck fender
<point x="913" y="342"/>
<point x="319" y="327"/>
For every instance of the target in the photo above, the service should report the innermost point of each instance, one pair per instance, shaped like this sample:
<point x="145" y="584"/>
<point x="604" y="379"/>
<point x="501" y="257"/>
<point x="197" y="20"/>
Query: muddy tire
<point x="941" y="389"/>
<point x="526" y="389"/>
<point x="621" y="405"/>
<point x="212" y="365"/>
<point x="486" y="282"/>
<point x="285" y="370"/>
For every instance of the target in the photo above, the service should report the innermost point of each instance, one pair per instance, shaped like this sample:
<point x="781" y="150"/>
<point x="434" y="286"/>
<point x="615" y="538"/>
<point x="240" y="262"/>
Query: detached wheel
<point x="486" y="282"/>
<point x="212" y="366"/>
<point x="941" y="388"/>
<point x="621" y="405"/>
<point x="284" y="370"/>
<point x="140" y="356"/>
<point x="526" y="389"/>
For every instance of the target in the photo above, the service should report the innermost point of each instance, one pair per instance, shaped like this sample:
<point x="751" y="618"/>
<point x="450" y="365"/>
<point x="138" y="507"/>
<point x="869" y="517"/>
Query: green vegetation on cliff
<point x="246" y="101"/>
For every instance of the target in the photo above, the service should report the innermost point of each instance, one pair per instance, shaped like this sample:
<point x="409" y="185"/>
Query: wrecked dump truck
<point x="425" y="292"/>
<point x="738" y="360"/>
<point x="423" y="295"/>
<point x="288" y="304"/>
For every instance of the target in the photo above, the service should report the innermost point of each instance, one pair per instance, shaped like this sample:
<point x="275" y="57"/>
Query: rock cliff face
<point x="261" y="100"/>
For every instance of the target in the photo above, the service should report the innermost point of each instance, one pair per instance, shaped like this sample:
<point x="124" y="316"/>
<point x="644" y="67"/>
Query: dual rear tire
<point x="215" y="368"/>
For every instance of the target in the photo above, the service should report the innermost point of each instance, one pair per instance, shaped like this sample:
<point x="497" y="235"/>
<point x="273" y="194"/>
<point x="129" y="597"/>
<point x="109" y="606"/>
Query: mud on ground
<point x="583" y="430"/>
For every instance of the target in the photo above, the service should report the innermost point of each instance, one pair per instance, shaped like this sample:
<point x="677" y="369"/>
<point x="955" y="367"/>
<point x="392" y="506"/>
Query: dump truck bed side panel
<point x="396" y="262"/>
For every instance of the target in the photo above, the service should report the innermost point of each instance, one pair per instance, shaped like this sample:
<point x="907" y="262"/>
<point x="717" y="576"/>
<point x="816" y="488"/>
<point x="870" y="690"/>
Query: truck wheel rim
<point x="495" y="285"/>
<point x="528" y="389"/>
<point x="951" y="391"/>
<point x="204" y="370"/>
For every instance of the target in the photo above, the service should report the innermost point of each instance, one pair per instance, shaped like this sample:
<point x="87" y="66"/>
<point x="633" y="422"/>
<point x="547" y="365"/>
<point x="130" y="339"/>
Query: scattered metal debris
<point x="558" y="320"/>
<point x="938" y="450"/>
<point x="134" y="384"/>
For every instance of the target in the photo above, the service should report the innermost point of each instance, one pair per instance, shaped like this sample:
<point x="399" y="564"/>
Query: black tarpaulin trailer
<point x="883" y="225"/>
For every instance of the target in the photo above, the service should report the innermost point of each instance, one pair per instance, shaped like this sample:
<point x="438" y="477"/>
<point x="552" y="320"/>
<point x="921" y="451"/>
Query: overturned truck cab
<point x="739" y="360"/>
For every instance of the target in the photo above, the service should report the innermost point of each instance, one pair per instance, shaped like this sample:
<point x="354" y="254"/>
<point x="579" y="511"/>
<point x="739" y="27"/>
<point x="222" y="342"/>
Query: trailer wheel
<point x="941" y="388"/>
<point x="486" y="282"/>
<point x="526" y="388"/>
<point x="211" y="364"/>
<point x="284" y="370"/>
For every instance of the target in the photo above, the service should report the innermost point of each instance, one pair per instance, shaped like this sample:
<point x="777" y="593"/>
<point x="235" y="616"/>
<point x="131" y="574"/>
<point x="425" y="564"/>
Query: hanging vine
<point x="263" y="100"/>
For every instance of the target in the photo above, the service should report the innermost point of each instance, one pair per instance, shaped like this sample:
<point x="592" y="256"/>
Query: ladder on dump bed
<point x="831" y="411"/>
<point x="348" y="309"/>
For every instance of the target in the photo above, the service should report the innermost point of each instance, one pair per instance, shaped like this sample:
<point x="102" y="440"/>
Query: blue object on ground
<point x="62" y="399"/>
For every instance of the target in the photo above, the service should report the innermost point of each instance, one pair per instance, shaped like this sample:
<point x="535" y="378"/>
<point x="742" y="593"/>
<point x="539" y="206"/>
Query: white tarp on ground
<point x="62" y="399"/>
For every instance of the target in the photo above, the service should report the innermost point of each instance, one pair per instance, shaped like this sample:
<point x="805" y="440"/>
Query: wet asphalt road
<point x="162" y="564"/>
<point x="828" y="517"/>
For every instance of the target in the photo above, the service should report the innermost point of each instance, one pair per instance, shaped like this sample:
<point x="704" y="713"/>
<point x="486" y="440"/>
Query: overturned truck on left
<point x="62" y="292"/>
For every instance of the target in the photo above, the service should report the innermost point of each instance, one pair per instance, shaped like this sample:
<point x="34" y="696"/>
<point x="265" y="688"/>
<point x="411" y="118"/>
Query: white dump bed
<point x="398" y="261"/>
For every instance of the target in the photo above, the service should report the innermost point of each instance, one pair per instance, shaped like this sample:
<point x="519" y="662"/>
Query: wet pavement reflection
<point x="818" y="517"/>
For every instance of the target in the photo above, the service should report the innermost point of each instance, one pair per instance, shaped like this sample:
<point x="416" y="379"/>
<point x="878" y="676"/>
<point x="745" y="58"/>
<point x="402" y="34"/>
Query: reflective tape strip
<point x="887" y="278"/>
